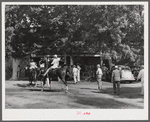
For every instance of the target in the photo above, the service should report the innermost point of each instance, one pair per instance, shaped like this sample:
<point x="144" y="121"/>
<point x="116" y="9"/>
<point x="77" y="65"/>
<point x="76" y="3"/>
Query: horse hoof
<point x="42" y="90"/>
<point x="66" y="91"/>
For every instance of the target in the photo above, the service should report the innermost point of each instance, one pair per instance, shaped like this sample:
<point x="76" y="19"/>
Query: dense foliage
<point x="115" y="30"/>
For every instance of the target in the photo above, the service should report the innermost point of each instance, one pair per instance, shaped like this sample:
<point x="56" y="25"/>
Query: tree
<point x="43" y="29"/>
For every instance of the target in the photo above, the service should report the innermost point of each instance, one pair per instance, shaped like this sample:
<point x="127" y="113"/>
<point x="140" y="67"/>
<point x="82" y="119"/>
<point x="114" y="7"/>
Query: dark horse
<point x="60" y="73"/>
<point x="32" y="74"/>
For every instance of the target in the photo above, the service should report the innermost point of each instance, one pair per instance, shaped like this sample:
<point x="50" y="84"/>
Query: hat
<point x="98" y="65"/>
<point x="116" y="67"/>
<point x="55" y="56"/>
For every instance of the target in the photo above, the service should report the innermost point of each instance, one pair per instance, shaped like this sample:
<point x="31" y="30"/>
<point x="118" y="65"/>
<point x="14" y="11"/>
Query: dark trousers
<point x="116" y="86"/>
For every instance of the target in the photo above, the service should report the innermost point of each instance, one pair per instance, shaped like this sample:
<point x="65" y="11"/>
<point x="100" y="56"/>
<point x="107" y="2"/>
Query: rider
<point x="42" y="63"/>
<point x="55" y="64"/>
<point x="33" y="64"/>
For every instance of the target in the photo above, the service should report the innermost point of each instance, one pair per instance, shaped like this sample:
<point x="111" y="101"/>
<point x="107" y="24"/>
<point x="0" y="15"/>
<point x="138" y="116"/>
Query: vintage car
<point x="126" y="72"/>
<point x="135" y="71"/>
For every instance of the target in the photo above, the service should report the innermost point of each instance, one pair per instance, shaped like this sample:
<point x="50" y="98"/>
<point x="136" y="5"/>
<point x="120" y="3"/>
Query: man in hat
<point x="99" y="77"/>
<point x="115" y="78"/>
<point x="55" y="64"/>
<point x="141" y="76"/>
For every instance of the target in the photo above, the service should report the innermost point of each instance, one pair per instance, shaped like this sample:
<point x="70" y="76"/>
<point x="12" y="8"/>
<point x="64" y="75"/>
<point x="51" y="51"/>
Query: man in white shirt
<point x="75" y="74"/>
<point x="99" y="77"/>
<point x="33" y="65"/>
<point x="55" y="64"/>
<point x="141" y="76"/>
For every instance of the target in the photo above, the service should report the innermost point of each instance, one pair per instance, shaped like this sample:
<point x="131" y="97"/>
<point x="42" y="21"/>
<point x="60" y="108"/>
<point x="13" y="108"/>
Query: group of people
<point x="76" y="73"/>
<point x="45" y="63"/>
<point x="116" y="77"/>
<point x="54" y="63"/>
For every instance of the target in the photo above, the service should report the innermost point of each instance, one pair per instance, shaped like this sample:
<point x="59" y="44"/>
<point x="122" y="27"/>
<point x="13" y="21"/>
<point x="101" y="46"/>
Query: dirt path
<point x="83" y="95"/>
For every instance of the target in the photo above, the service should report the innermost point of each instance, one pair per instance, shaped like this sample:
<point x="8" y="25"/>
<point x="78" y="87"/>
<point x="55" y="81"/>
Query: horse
<point x="32" y="75"/>
<point x="60" y="73"/>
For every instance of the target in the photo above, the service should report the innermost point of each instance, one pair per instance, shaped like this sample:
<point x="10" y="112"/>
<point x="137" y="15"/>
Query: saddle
<point x="53" y="71"/>
<point x="32" y="69"/>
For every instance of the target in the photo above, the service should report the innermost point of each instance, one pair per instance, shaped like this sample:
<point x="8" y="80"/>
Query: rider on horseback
<point x="42" y="65"/>
<point x="55" y="64"/>
<point x="33" y="64"/>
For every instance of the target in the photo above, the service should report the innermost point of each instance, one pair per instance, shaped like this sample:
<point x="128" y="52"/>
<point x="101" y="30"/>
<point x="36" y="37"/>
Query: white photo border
<point x="71" y="114"/>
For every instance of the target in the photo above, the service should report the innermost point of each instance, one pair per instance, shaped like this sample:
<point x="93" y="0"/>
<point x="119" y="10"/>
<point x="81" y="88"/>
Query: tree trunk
<point x="71" y="60"/>
<point x="15" y="69"/>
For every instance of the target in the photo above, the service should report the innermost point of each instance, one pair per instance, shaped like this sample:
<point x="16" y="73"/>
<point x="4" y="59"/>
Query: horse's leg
<point x="59" y="80"/>
<point x="47" y="80"/>
<point x="35" y="79"/>
<point x="50" y="80"/>
<point x="65" y="82"/>
<point x="44" y="81"/>
<point x="30" y="83"/>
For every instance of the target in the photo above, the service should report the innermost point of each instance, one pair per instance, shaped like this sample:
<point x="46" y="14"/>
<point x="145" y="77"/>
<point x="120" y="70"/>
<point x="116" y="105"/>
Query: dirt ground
<point x="83" y="95"/>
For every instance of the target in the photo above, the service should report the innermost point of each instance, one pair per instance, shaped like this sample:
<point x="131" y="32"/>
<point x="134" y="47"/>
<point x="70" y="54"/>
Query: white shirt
<point x="99" y="71"/>
<point x="75" y="71"/>
<point x="79" y="68"/>
<point x="55" y="62"/>
<point x="33" y="65"/>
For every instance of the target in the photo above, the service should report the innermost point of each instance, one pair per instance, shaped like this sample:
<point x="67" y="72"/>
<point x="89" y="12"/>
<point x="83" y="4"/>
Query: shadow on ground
<point x="47" y="90"/>
<point x="124" y="92"/>
<point x="105" y="103"/>
<point x="88" y="88"/>
<point x="23" y="85"/>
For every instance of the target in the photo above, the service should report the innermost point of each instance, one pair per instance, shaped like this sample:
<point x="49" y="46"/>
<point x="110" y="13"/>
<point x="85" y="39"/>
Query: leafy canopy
<point x="116" y="30"/>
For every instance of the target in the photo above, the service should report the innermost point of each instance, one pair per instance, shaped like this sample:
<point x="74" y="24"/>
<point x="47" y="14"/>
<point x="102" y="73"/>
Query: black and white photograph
<point x="75" y="60"/>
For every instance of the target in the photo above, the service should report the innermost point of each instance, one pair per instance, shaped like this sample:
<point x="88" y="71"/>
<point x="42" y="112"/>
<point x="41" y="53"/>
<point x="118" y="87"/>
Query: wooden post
<point x="65" y="59"/>
<point x="71" y="60"/>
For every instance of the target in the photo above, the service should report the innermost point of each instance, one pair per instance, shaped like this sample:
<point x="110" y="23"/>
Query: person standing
<point x="78" y="74"/>
<point x="99" y="77"/>
<point x="104" y="70"/>
<point x="116" y="76"/>
<point x="75" y="74"/>
<point x="141" y="76"/>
